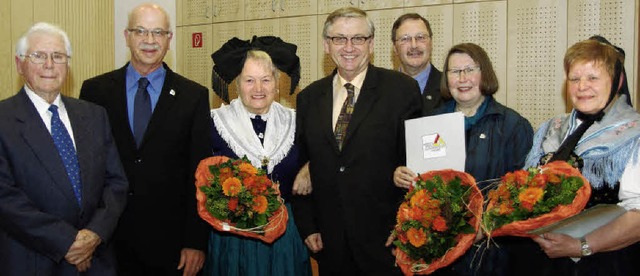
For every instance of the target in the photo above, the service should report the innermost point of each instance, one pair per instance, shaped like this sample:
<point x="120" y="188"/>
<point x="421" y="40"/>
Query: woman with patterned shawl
<point x="262" y="130"/>
<point x="601" y="136"/>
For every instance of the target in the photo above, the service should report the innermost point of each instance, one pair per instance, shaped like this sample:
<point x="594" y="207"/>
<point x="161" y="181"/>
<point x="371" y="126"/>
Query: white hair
<point x="41" y="27"/>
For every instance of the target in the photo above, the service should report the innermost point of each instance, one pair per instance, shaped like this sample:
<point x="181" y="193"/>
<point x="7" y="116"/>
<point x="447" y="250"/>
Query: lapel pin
<point x="482" y="136"/>
<point x="172" y="92"/>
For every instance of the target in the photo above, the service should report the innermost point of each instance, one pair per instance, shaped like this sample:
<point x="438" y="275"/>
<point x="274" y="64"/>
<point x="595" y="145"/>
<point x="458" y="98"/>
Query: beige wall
<point x="525" y="39"/>
<point x="89" y="25"/>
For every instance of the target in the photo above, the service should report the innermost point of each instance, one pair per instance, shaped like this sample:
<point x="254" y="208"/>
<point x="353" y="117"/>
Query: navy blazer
<point x="354" y="201"/>
<point x="431" y="93"/>
<point x="161" y="216"/>
<point x="39" y="214"/>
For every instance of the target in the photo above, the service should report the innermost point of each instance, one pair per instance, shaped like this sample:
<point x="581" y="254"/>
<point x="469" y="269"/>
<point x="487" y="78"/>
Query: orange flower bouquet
<point x="234" y="196"/>
<point x="437" y="222"/>
<point x="528" y="199"/>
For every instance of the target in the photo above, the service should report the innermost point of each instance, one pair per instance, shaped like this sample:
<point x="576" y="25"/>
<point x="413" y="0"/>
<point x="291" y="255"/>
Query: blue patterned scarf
<point x="606" y="147"/>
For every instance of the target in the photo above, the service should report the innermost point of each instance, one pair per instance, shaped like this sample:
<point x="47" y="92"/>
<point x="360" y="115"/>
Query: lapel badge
<point x="172" y="92"/>
<point x="482" y="136"/>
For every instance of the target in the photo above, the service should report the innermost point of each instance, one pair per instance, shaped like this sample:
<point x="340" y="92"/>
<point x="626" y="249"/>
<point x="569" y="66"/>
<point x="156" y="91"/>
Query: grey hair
<point x="347" y="12"/>
<point x="41" y="27"/>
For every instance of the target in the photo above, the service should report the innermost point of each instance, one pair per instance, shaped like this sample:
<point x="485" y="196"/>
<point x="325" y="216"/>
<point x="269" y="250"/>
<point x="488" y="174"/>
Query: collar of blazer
<point x="39" y="139"/>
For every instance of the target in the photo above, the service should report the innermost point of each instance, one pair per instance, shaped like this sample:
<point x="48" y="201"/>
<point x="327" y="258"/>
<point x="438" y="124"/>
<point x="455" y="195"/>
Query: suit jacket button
<point x="342" y="168"/>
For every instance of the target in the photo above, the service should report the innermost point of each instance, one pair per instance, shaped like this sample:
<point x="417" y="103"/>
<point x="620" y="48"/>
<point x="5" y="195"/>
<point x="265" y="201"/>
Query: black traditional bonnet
<point x="229" y="60"/>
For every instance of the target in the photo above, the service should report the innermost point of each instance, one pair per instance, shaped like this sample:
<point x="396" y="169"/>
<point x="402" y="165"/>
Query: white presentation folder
<point x="435" y="142"/>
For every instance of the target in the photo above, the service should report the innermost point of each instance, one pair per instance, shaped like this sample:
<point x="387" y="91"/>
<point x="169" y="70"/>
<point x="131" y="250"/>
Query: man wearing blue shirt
<point x="411" y="36"/>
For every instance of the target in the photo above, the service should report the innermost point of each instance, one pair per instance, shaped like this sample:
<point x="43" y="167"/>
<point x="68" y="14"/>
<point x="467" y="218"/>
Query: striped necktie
<point x="345" y="115"/>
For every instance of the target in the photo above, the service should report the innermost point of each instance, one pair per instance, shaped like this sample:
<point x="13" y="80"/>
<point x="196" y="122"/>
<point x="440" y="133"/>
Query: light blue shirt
<point x="423" y="77"/>
<point x="156" y="80"/>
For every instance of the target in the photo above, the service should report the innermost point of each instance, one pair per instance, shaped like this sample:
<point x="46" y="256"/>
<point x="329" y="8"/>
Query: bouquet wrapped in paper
<point x="235" y="196"/>
<point x="528" y="199"/>
<point x="437" y="222"/>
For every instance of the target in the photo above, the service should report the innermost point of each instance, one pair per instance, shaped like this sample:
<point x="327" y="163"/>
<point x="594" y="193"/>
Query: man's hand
<point x="314" y="242"/>
<point x="84" y="265"/>
<point x="302" y="183"/>
<point x="83" y="247"/>
<point x="191" y="260"/>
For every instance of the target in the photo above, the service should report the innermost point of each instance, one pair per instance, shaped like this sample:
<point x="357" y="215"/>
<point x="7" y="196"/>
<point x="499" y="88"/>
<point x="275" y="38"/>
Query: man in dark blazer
<point x="160" y="232"/>
<point x="412" y="42"/>
<point x="62" y="186"/>
<point x="351" y="211"/>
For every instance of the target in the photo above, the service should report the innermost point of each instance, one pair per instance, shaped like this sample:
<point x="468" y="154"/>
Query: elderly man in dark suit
<point x="413" y="43"/>
<point x="62" y="187"/>
<point x="350" y="129"/>
<point x="162" y="128"/>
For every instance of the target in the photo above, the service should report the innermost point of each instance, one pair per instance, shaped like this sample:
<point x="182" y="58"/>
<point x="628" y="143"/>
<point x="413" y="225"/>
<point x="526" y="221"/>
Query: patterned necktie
<point x="67" y="152"/>
<point x="141" y="110"/>
<point x="345" y="115"/>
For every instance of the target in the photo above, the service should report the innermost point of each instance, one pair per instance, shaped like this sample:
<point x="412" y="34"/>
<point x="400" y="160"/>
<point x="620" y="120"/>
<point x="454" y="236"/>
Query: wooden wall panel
<point x="485" y="24"/>
<point x="537" y="42"/>
<point x="7" y="65"/>
<point x="89" y="25"/>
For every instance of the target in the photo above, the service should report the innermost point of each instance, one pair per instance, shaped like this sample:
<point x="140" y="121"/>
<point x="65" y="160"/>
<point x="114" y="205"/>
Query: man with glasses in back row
<point x="412" y="42"/>
<point x="350" y="128"/>
<point x="62" y="187"/>
<point x="162" y="128"/>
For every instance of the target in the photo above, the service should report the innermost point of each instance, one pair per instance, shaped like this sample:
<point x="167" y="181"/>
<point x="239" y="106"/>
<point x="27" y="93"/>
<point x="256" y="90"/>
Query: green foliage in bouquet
<point x="526" y="194"/>
<point x="241" y="194"/>
<point x="431" y="217"/>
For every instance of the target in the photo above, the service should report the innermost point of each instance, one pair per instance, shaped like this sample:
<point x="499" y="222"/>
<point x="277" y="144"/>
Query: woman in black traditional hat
<point x="602" y="136"/>
<point x="256" y="126"/>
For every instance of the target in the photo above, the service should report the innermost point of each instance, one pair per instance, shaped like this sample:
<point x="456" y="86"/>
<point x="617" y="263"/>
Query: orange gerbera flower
<point x="505" y="208"/>
<point x="552" y="177"/>
<point x="417" y="237"/>
<point x="231" y="186"/>
<point x="260" y="204"/>
<point x="247" y="168"/>
<point x="530" y="197"/>
<point x="233" y="204"/>
<point x="225" y="173"/>
<point x="521" y="177"/>
<point x="439" y="224"/>
<point x="539" y="180"/>
<point x="420" y="198"/>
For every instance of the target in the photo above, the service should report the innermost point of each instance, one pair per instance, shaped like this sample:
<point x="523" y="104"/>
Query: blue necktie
<point x="66" y="150"/>
<point x="141" y="111"/>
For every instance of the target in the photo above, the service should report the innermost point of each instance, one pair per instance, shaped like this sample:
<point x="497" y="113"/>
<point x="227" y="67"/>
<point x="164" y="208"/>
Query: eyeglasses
<point x="420" y="38"/>
<point x="467" y="71"/>
<point x="342" y="40"/>
<point x="41" y="57"/>
<point x="142" y="32"/>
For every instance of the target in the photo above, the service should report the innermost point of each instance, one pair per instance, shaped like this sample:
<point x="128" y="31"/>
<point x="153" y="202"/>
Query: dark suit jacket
<point x="161" y="216"/>
<point x="39" y="214"/>
<point x="431" y="92"/>
<point x="354" y="200"/>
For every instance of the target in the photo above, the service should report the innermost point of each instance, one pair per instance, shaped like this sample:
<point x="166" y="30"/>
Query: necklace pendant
<point x="261" y="135"/>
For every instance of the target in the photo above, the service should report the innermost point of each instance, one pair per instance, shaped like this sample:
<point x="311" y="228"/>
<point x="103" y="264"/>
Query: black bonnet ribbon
<point x="229" y="60"/>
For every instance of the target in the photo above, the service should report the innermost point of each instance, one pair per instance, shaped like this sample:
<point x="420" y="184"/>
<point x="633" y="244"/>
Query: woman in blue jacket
<point x="497" y="137"/>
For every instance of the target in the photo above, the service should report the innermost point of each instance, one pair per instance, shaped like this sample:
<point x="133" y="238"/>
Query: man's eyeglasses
<point x="420" y="38"/>
<point x="342" y="40"/>
<point x="467" y="71"/>
<point x="142" y="32"/>
<point x="41" y="57"/>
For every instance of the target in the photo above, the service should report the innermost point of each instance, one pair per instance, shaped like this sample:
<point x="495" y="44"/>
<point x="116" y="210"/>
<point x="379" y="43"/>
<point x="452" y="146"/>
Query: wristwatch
<point x="585" y="250"/>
